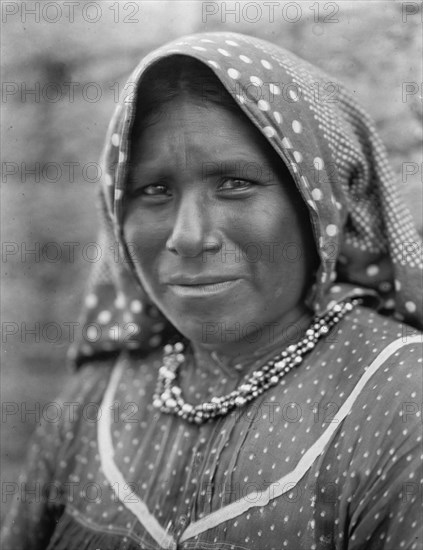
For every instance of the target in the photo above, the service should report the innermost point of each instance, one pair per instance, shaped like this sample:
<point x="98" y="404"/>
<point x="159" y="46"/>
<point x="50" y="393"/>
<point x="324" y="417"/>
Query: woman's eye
<point x="236" y="184"/>
<point x="155" y="189"/>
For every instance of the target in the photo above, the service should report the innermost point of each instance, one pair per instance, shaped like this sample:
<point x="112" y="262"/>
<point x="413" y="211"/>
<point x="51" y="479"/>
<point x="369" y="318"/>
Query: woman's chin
<point x="226" y="327"/>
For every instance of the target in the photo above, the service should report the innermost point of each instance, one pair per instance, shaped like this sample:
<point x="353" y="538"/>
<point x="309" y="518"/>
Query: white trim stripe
<point x="287" y="482"/>
<point x="114" y="476"/>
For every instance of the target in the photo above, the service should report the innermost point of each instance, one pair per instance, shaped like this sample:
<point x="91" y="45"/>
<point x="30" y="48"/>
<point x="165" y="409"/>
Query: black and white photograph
<point x="212" y="275"/>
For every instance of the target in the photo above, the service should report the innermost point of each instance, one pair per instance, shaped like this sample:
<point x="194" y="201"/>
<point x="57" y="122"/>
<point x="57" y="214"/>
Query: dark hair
<point x="177" y="76"/>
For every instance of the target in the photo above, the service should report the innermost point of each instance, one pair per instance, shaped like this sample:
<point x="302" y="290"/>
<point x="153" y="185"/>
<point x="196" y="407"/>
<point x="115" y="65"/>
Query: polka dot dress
<point x="328" y="458"/>
<point x="363" y="233"/>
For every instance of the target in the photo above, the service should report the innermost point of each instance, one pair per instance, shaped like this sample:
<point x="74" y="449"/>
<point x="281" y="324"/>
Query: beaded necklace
<point x="168" y="395"/>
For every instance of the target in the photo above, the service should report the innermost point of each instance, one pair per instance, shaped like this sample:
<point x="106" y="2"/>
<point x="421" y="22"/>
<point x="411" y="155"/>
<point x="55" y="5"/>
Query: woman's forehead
<point x="186" y="125"/>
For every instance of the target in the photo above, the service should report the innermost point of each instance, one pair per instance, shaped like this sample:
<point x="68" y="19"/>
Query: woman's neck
<point x="236" y="357"/>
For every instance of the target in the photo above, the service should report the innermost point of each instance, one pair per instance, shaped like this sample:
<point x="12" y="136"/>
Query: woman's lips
<point x="201" y="290"/>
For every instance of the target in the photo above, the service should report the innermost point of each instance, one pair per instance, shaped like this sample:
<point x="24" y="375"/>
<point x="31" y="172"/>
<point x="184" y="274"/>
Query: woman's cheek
<point x="144" y="240"/>
<point x="144" y="253"/>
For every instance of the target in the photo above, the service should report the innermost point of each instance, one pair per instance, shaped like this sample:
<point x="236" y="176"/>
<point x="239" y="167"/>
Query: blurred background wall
<point x="62" y="73"/>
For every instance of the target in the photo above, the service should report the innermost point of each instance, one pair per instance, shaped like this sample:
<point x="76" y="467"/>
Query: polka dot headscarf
<point x="363" y="233"/>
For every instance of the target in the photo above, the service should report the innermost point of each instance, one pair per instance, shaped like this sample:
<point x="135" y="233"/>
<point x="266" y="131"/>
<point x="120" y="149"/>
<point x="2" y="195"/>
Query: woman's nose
<point x="192" y="231"/>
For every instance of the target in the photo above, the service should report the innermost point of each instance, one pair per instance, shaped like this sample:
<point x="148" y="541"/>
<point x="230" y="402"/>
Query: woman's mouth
<point x="201" y="290"/>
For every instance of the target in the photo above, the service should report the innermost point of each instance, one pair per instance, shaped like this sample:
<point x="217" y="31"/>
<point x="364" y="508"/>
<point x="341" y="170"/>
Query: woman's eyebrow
<point x="144" y="172"/>
<point x="238" y="167"/>
<point x="148" y="168"/>
<point x="214" y="162"/>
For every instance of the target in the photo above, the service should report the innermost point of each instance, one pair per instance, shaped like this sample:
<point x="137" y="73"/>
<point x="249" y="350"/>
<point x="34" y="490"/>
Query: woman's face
<point x="219" y="235"/>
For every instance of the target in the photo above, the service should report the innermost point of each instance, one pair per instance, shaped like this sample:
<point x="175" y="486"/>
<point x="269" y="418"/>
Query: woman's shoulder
<point x="384" y="345"/>
<point x="77" y="403"/>
<point x="84" y="396"/>
<point x="371" y="366"/>
<point x="88" y="382"/>
<point x="370" y="323"/>
<point x="377" y="337"/>
<point x="387" y="391"/>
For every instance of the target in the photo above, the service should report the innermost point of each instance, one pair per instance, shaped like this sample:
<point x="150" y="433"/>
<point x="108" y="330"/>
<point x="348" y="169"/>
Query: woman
<point x="246" y="392"/>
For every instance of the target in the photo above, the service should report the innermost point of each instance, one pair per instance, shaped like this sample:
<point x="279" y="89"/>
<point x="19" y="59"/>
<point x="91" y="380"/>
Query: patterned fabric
<point x="327" y="459"/>
<point x="363" y="233"/>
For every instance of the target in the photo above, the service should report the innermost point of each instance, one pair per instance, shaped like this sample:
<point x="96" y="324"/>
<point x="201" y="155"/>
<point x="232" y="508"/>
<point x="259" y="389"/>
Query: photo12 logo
<point x="71" y="12"/>
<point x="270" y="12"/>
